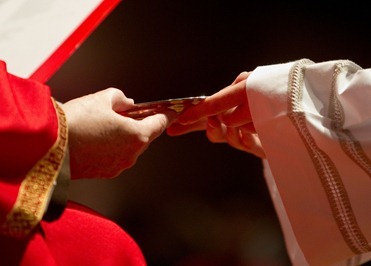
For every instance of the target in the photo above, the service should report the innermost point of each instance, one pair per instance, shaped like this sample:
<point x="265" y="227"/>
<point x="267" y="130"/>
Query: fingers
<point x="216" y="131"/>
<point x="116" y="98"/>
<point x="252" y="144"/>
<point x="236" y="117"/>
<point x="153" y="126"/>
<point x="221" y="101"/>
<point x="243" y="140"/>
<point x="234" y="138"/>
<point x="177" y="129"/>
<point x="242" y="76"/>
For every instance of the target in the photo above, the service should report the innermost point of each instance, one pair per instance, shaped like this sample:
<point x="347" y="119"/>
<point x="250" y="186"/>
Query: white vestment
<point x="314" y="123"/>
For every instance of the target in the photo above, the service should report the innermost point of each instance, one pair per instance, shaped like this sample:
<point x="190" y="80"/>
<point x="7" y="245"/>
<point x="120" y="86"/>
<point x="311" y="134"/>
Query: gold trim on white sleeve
<point x="328" y="174"/>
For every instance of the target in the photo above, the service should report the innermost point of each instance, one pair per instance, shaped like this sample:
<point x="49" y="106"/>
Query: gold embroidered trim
<point x="350" y="145"/>
<point x="331" y="181"/>
<point x="33" y="194"/>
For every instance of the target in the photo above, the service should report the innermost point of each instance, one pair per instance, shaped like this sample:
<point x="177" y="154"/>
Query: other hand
<point x="103" y="143"/>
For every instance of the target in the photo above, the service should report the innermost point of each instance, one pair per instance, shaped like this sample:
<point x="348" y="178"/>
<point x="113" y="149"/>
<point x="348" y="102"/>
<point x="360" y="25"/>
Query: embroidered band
<point x="36" y="187"/>
<point x="331" y="181"/>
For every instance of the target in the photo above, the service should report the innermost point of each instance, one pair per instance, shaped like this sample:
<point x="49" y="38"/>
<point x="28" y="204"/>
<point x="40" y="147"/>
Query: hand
<point x="240" y="138"/>
<point x="230" y="105"/>
<point x="225" y="116"/>
<point x="103" y="143"/>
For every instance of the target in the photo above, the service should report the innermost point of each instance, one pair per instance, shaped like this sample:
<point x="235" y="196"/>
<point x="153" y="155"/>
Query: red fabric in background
<point x="80" y="237"/>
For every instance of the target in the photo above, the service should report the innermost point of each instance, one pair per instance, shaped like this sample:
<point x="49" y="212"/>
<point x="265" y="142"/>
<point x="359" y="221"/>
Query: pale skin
<point x="103" y="143"/>
<point x="225" y="116"/>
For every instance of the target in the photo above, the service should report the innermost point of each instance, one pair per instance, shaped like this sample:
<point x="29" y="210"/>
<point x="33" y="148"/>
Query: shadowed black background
<point x="187" y="201"/>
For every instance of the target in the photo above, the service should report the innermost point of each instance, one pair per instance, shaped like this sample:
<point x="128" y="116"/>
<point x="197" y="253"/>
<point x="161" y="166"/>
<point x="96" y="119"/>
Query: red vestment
<point x="33" y="141"/>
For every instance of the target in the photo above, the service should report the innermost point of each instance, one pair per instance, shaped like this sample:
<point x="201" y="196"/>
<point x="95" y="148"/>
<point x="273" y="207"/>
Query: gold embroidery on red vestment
<point x="35" y="189"/>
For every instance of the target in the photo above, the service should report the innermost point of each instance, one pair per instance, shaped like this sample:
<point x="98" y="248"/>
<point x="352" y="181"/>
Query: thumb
<point x="155" y="125"/>
<point x="118" y="100"/>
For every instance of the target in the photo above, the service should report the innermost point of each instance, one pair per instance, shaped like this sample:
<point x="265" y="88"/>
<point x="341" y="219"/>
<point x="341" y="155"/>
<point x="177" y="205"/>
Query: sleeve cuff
<point x="59" y="197"/>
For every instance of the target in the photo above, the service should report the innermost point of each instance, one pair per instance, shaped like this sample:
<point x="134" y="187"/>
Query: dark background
<point x="187" y="201"/>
